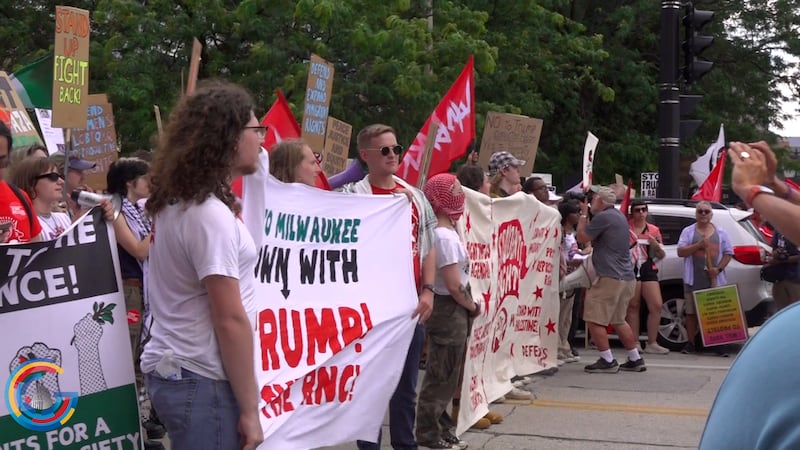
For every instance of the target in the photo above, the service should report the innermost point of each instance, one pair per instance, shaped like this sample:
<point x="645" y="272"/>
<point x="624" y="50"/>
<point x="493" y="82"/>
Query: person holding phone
<point x="646" y="250"/>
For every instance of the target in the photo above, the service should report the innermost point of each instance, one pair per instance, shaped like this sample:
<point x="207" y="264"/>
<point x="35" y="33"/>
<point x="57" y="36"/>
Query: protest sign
<point x="720" y="315"/>
<point x="588" y="160"/>
<point x="96" y="140"/>
<point x="318" y="98"/>
<point x="17" y="120"/>
<point x="649" y="185"/>
<point x="332" y="328"/>
<point x="337" y="146"/>
<point x="53" y="137"/>
<point x="513" y="133"/>
<point x="70" y="67"/>
<point x="513" y="248"/>
<point x="69" y="380"/>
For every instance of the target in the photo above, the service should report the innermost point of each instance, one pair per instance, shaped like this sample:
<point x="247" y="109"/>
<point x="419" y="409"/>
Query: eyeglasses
<point x="544" y="186"/>
<point x="52" y="176"/>
<point x="704" y="211"/>
<point x="396" y="149"/>
<point x="640" y="209"/>
<point x="260" y="130"/>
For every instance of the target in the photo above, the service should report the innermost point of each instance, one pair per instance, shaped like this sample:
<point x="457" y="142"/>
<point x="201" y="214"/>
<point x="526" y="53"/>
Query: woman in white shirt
<point x="40" y="179"/>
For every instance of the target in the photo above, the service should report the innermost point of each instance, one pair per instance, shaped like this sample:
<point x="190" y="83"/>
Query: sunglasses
<point x="640" y="209"/>
<point x="52" y="176"/>
<point x="704" y="211"/>
<point x="385" y="150"/>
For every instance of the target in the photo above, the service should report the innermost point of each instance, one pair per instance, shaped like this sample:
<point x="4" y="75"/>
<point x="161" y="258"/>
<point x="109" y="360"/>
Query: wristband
<point x="428" y="287"/>
<point x="755" y="191"/>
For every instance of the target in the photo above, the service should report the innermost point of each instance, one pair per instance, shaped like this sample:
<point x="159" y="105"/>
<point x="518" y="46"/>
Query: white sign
<point x="588" y="159"/>
<point x="649" y="185"/>
<point x="53" y="137"/>
<point x="336" y="299"/>
<point x="513" y="247"/>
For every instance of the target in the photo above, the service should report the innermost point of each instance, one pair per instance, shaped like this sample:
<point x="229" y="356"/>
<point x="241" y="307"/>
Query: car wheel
<point x="672" y="329"/>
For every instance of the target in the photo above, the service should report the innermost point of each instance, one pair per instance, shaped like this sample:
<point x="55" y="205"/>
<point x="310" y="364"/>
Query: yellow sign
<point x="720" y="316"/>
<point x="70" y="67"/>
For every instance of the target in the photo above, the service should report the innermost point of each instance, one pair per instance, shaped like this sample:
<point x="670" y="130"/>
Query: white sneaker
<point x="656" y="349"/>
<point x="518" y="384"/>
<point x="567" y="357"/>
<point x="519" y="394"/>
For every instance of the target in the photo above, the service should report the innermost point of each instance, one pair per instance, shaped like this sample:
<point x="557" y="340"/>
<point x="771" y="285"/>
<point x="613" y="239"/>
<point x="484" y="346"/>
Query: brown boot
<point x="494" y="417"/>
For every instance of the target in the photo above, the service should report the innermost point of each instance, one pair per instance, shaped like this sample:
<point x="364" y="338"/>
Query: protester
<point x="570" y="214"/>
<point x="448" y="326"/>
<point x="706" y="251"/>
<point x="198" y="363"/>
<point x="128" y="178"/>
<point x="40" y="180"/>
<point x="473" y="177"/>
<point x="31" y="151"/>
<point x="16" y="208"/>
<point x="378" y="148"/>
<point x="607" y="300"/>
<point x="293" y="161"/>
<point x="782" y="271"/>
<point x="75" y="179"/>
<point x="646" y="250"/>
<point x="504" y="168"/>
<point x="538" y="188"/>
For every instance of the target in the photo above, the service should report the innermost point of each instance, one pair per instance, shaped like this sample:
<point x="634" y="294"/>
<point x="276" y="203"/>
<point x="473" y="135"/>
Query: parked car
<point x="749" y="254"/>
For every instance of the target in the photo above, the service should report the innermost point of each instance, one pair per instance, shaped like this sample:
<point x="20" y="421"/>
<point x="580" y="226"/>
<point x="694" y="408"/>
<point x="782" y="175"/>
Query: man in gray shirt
<point x="607" y="300"/>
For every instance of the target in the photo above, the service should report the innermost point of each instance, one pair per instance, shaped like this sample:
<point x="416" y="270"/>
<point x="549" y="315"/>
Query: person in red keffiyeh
<point x="448" y="325"/>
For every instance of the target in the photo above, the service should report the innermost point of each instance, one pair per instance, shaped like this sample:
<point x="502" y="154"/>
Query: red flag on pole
<point x="456" y="117"/>
<point x="711" y="189"/>
<point x="626" y="199"/>
<point x="281" y="125"/>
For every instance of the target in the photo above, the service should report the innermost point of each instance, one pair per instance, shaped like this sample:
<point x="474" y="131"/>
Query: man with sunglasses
<point x="378" y="148"/>
<point x="706" y="251"/>
<point x="16" y="208"/>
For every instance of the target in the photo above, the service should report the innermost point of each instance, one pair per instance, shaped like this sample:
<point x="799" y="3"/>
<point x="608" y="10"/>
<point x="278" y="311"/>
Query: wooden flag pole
<point x="194" y="66"/>
<point x="425" y="165"/>
<point x="158" y="120"/>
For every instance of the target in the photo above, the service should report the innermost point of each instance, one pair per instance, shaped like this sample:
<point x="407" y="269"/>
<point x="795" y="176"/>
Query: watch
<point x="755" y="191"/>
<point x="428" y="287"/>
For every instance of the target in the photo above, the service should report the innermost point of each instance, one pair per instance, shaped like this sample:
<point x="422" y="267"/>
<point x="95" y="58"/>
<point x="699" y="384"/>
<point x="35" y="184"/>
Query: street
<point x="664" y="407"/>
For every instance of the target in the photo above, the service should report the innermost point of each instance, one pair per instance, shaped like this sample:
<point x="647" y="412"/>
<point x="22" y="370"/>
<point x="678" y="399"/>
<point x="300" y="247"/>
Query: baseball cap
<point x="75" y="163"/>
<point x="551" y="196"/>
<point x="605" y="193"/>
<point x="501" y="160"/>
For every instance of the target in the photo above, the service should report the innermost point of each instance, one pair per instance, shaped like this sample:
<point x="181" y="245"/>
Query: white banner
<point x="67" y="371"/>
<point x="336" y="295"/>
<point x="513" y="246"/>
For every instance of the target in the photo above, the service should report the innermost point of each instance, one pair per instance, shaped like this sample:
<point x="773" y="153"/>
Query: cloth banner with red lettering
<point x="513" y="246"/>
<point x="335" y="297"/>
<point x="456" y="117"/>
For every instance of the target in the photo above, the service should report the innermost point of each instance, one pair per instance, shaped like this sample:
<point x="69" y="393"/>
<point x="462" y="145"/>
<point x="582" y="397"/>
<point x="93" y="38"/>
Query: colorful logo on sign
<point x="31" y="404"/>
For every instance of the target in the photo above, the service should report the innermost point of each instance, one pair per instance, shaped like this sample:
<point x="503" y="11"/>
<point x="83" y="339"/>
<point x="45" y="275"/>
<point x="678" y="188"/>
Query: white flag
<point x="702" y="167"/>
<point x="588" y="159"/>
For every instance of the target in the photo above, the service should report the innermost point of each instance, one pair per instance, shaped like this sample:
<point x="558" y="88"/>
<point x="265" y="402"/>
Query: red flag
<point x="711" y="190"/>
<point x="626" y="199"/>
<point x="281" y="125"/>
<point x="456" y="116"/>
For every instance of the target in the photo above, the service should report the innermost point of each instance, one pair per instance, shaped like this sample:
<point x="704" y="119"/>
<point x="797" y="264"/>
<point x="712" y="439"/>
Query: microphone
<point x="88" y="199"/>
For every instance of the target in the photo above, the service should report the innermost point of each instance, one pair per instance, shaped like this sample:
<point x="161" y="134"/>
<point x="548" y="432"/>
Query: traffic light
<point x="688" y="126"/>
<point x="694" y="44"/>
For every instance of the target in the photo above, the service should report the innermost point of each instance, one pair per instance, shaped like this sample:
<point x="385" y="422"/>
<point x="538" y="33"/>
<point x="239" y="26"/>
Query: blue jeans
<point x="198" y="412"/>
<point x="403" y="405"/>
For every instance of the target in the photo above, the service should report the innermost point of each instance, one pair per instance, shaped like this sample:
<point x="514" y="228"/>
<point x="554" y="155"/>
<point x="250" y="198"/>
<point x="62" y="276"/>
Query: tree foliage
<point x="579" y="65"/>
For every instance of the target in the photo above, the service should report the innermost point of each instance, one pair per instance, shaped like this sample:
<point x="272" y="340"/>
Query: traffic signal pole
<point x="669" y="101"/>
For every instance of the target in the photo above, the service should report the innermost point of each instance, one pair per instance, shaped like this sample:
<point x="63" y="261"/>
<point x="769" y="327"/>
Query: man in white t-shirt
<point x="198" y="363"/>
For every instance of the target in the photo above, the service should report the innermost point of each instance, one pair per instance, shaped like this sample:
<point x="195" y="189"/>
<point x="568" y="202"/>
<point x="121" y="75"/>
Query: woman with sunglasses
<point x="646" y="250"/>
<point x="293" y="161"/>
<point x="39" y="178"/>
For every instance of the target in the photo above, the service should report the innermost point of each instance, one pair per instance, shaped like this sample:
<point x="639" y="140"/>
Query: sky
<point x="790" y="127"/>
